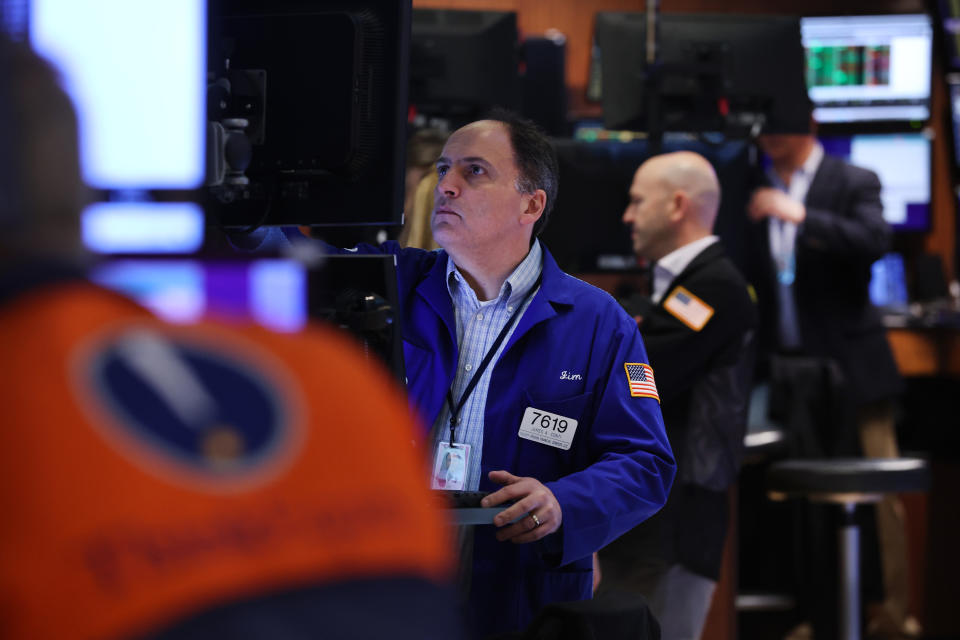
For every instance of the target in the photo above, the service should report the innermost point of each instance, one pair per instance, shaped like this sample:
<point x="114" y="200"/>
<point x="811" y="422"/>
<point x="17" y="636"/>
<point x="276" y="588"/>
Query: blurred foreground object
<point x="197" y="481"/>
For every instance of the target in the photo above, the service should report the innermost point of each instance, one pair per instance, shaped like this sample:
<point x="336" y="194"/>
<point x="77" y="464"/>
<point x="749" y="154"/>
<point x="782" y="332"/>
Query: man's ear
<point x="679" y="204"/>
<point x="535" y="206"/>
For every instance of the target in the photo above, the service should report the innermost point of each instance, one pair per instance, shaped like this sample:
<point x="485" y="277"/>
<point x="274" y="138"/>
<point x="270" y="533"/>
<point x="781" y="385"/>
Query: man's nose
<point x="448" y="186"/>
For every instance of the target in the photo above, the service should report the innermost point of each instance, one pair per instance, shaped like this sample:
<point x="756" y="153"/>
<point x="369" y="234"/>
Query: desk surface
<point x="926" y="352"/>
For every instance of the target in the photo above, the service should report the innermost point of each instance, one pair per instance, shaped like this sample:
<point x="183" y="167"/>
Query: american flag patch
<point x="640" y="379"/>
<point x="688" y="308"/>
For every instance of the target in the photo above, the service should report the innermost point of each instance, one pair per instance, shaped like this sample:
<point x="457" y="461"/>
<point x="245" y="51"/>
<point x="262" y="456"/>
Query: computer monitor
<point x="355" y="293"/>
<point x="888" y="282"/>
<point x="311" y="103"/>
<point x="136" y="74"/>
<point x="268" y="291"/>
<point x="143" y="228"/>
<point x="545" y="83"/>
<point x="862" y="68"/>
<point x="463" y="62"/>
<point x="734" y="74"/>
<point x="902" y="162"/>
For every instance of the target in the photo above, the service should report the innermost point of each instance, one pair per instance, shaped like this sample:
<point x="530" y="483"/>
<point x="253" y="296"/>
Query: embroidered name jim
<point x="565" y="375"/>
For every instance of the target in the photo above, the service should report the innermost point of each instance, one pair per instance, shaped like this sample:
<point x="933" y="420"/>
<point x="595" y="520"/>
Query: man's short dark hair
<point x="536" y="160"/>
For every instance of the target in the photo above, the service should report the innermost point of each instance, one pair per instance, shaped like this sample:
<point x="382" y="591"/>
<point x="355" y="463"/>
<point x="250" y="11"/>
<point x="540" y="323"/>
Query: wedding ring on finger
<point x="536" y="520"/>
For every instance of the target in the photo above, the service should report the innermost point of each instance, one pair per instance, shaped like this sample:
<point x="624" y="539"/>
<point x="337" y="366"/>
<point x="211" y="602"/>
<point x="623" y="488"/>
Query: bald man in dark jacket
<point x="698" y="326"/>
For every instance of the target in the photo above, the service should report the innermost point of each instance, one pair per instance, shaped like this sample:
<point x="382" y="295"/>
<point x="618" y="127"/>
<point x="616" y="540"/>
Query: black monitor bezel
<point x="785" y="115"/>
<point x="367" y="191"/>
<point x="479" y="46"/>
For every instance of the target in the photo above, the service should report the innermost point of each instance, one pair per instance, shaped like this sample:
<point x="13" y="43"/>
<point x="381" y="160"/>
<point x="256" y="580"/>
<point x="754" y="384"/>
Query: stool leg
<point x="849" y="575"/>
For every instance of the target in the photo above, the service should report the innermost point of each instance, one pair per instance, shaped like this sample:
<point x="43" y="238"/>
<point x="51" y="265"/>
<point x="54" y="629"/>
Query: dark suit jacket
<point x="703" y="378"/>
<point x="680" y="355"/>
<point x="843" y="234"/>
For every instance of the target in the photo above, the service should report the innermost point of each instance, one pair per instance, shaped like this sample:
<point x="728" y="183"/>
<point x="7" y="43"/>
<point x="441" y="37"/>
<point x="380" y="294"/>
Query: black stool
<point x="761" y="444"/>
<point x="764" y="442"/>
<point x="847" y="482"/>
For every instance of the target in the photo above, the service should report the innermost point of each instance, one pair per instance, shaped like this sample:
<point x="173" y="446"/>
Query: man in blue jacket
<point x="539" y="380"/>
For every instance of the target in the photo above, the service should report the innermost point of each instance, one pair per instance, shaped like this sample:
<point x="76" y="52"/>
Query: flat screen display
<point x="902" y="162"/>
<point x="888" y="282"/>
<point x="143" y="227"/>
<point x="271" y="292"/>
<point x="136" y="72"/>
<point x="735" y="73"/>
<point x="868" y="67"/>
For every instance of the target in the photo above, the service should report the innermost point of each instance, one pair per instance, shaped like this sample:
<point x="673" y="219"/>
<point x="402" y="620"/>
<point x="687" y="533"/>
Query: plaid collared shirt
<point x="478" y="324"/>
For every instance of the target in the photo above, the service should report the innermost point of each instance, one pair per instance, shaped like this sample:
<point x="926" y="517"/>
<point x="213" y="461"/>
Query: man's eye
<point x="441" y="171"/>
<point x="477" y="170"/>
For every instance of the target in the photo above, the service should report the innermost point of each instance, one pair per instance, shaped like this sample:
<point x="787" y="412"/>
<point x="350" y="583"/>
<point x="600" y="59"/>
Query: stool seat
<point x="847" y="482"/>
<point x="849" y="475"/>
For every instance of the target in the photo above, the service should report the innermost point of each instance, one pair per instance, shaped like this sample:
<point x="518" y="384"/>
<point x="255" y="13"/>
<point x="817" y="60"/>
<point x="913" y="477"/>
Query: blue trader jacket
<point x="566" y="357"/>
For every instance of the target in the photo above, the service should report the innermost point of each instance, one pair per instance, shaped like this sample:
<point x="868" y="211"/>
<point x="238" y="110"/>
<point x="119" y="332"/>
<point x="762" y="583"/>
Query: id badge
<point x="547" y="428"/>
<point x="450" y="466"/>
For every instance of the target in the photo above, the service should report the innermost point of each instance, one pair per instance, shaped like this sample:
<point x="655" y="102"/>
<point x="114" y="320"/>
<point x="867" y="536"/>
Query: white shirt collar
<point x="812" y="163"/>
<point x="802" y="176"/>
<point x="671" y="265"/>
<point x="517" y="283"/>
